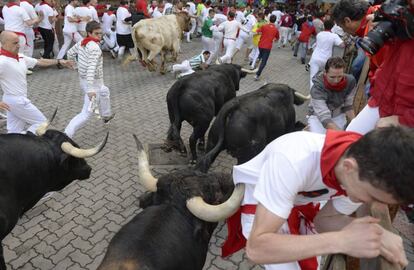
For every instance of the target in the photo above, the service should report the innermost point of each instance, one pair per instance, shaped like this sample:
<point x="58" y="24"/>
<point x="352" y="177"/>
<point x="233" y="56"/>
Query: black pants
<point x="263" y="55"/>
<point x="48" y="37"/>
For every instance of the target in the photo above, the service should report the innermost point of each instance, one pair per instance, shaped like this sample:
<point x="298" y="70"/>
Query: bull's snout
<point x="85" y="172"/>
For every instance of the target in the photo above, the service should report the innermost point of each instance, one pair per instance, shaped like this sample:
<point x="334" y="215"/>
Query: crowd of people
<point x="355" y="166"/>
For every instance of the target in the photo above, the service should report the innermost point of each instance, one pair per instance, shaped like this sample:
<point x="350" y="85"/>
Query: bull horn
<point x="144" y="173"/>
<point x="214" y="213"/>
<point x="43" y="127"/>
<point x="249" y="71"/>
<point x="69" y="149"/>
<point x="303" y="97"/>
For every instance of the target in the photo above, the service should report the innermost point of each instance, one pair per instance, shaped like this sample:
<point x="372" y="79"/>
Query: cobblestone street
<point x="72" y="228"/>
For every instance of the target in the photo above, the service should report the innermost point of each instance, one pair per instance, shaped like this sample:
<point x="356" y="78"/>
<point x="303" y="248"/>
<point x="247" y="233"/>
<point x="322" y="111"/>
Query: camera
<point x="395" y="20"/>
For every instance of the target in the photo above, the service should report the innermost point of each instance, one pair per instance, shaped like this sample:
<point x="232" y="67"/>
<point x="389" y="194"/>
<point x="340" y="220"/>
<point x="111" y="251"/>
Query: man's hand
<point x="4" y="106"/>
<point x="91" y="95"/>
<point x="362" y="238"/>
<point x="203" y="66"/>
<point x="67" y="63"/>
<point x="392" y="248"/>
<point x="388" y="121"/>
<point x="332" y="126"/>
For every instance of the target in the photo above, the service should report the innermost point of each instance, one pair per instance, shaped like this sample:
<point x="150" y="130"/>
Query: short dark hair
<point x="385" y="160"/>
<point x="328" y="24"/>
<point x="91" y="26"/>
<point x="334" y="62"/>
<point x="85" y="2"/>
<point x="231" y="14"/>
<point x="123" y="2"/>
<point x="272" y="18"/>
<point x="355" y="10"/>
<point x="211" y="11"/>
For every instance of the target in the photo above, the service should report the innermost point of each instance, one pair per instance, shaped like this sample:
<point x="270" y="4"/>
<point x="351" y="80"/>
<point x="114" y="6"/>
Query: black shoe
<point x="106" y="119"/>
<point x="295" y="55"/>
<point x="302" y="61"/>
<point x="307" y="66"/>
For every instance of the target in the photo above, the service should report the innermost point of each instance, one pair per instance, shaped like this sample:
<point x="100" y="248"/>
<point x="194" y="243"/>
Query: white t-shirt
<point x="94" y="14"/>
<point x="240" y="16"/>
<point x="108" y="21"/>
<point x="167" y="7"/>
<point x="83" y="11"/>
<point x="14" y="18"/>
<point x="47" y="12"/>
<point x="230" y="29"/>
<point x="156" y="14"/>
<point x="278" y="15"/>
<point x="288" y="165"/>
<point x="325" y="41"/>
<point x="204" y="13"/>
<point x="121" y="27"/>
<point x="219" y="18"/>
<point x="69" y="27"/>
<point x="250" y="22"/>
<point x="13" y="74"/>
<point x="29" y="10"/>
<point x="192" y="10"/>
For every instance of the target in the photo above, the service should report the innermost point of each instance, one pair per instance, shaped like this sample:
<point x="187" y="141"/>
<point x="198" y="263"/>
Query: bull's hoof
<point x="201" y="147"/>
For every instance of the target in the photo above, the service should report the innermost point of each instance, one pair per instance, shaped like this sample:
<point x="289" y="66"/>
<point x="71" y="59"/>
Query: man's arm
<point x="50" y="62"/>
<point x="361" y="238"/>
<point x="4" y="106"/>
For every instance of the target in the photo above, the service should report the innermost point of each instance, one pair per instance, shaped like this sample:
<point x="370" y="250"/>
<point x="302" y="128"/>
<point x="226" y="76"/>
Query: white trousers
<point x="55" y="46"/>
<point x="28" y="50"/>
<point x="110" y="41"/>
<point x="22" y="112"/>
<point x="102" y="99"/>
<point x="184" y="68"/>
<point x="316" y="126"/>
<point x="68" y="38"/>
<point x="218" y="39"/>
<point x="229" y="45"/>
<point x="193" y="27"/>
<point x="284" y="35"/>
<point x="316" y="65"/>
<point x="247" y="224"/>
<point x="254" y="54"/>
<point x="244" y="38"/>
<point x="365" y="121"/>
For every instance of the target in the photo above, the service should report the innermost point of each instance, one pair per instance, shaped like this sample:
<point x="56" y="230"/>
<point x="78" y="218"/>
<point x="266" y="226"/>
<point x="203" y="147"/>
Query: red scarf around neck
<point x="10" y="4"/>
<point x="88" y="39"/>
<point x="336" y="143"/>
<point x="44" y="3"/>
<point x="9" y="54"/>
<point x="26" y="2"/>
<point x="337" y="87"/>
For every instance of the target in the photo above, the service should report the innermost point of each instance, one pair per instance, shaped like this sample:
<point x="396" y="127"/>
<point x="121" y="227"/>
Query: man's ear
<point x="350" y="164"/>
<point x="347" y="20"/>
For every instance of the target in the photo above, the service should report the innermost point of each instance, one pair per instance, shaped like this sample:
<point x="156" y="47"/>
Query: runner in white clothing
<point x="16" y="20"/>
<point x="284" y="183"/>
<point x="84" y="13"/>
<point x="230" y="29"/>
<point x="70" y="31"/>
<point x="325" y="41"/>
<point x="30" y="36"/>
<point x="13" y="67"/>
<point x="247" y="37"/>
<point x="108" y="22"/>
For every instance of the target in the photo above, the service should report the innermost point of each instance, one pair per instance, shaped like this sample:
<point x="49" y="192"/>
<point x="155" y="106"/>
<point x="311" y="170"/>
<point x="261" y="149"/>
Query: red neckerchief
<point x="88" y="39"/>
<point x="337" y="87"/>
<point x="10" y="4"/>
<point x="360" y="32"/>
<point x="26" y="2"/>
<point x="336" y="143"/>
<point x="44" y="3"/>
<point x="9" y="54"/>
<point x="109" y="13"/>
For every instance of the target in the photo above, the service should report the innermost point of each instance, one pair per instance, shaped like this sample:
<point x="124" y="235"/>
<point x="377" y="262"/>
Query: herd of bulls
<point x="180" y="209"/>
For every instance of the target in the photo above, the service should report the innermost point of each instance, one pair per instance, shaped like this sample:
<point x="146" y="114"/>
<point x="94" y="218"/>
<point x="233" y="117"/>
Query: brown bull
<point x="159" y="35"/>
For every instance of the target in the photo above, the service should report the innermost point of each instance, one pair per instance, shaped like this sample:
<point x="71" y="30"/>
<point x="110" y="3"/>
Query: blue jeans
<point x="263" y="55"/>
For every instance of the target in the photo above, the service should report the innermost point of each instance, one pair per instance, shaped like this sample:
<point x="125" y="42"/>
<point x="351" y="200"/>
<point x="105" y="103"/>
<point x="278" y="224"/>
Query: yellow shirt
<point x="256" y="36"/>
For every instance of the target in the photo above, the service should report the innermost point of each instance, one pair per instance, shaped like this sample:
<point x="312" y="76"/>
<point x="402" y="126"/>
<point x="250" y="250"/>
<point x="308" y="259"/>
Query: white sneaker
<point x="29" y="72"/>
<point x="256" y="78"/>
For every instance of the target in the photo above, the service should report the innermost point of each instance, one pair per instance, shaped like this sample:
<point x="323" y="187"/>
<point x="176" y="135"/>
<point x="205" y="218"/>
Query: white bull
<point x="159" y="35"/>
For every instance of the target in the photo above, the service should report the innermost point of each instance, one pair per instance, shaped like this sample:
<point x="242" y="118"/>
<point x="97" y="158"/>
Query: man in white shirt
<point x="230" y="28"/>
<point x="218" y="19"/>
<point x="91" y="5"/>
<point x="46" y="28"/>
<point x="108" y="21"/>
<point x="123" y="30"/>
<point x="70" y="31"/>
<point x="88" y="55"/>
<point x="278" y="13"/>
<point x="30" y="36"/>
<point x="285" y="182"/>
<point x="187" y="66"/>
<point x="13" y="68"/>
<point x="247" y="36"/>
<point x="191" y="10"/>
<point x="325" y="41"/>
<point x="158" y="12"/>
<point x="84" y="14"/>
<point x="240" y="14"/>
<point x="16" y="20"/>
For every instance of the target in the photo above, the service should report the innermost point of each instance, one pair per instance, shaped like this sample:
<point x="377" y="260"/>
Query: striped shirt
<point x="196" y="61"/>
<point x="89" y="61"/>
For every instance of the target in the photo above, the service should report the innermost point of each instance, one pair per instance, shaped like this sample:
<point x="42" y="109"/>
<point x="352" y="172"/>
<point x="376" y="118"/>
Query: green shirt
<point x="205" y="30"/>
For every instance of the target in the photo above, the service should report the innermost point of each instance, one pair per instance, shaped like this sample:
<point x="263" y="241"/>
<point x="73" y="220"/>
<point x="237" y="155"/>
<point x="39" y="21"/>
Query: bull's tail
<point x="204" y="163"/>
<point x="173" y="96"/>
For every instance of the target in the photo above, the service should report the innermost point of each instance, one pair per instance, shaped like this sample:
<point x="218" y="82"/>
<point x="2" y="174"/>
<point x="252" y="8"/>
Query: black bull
<point x="197" y="98"/>
<point x="166" y="235"/>
<point x="246" y="124"/>
<point x="31" y="166"/>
